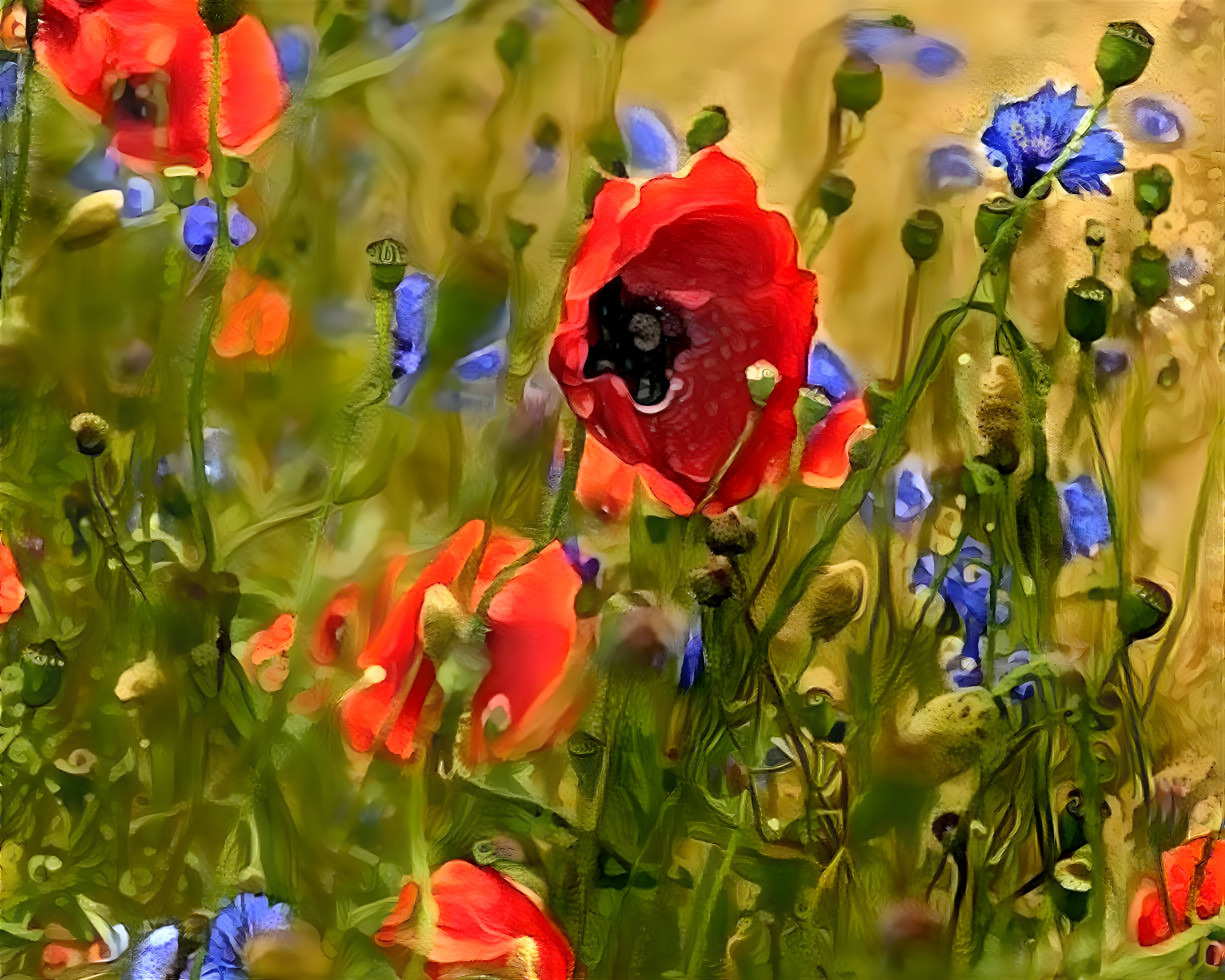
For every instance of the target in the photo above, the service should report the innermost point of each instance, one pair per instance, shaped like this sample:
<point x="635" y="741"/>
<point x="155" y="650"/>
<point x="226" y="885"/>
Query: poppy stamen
<point x="637" y="339"/>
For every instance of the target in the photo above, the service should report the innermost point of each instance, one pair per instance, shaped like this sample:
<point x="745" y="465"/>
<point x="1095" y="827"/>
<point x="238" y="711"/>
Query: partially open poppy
<point x="681" y="288"/>
<point x="1181" y="867"/>
<point x="255" y="316"/>
<point x="12" y="592"/>
<point x="534" y="642"/>
<point x="484" y="920"/>
<point x="826" y="460"/>
<point x="144" y="67"/>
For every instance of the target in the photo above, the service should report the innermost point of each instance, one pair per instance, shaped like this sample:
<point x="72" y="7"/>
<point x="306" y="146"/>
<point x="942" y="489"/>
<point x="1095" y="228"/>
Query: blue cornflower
<point x="247" y="917"/>
<point x="200" y="227"/>
<point x="693" y="663"/>
<point x="827" y="371"/>
<point x="1154" y="120"/>
<point x="952" y="168"/>
<point x="10" y="86"/>
<point x="1018" y="658"/>
<point x="156" y="956"/>
<point x="649" y="140"/>
<point x="587" y="568"/>
<point x="414" y="308"/>
<point x="481" y="364"/>
<point x="965" y="671"/>
<point x="1086" y="520"/>
<point x="1025" y="138"/>
<point x="1109" y="361"/>
<point x="885" y="43"/>
<point x="294" y="51"/>
<point x="967" y="586"/>
<point x="912" y="497"/>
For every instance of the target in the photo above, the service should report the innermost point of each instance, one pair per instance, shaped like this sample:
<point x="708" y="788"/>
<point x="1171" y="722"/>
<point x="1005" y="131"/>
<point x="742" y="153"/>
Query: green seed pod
<point x="1149" y="274"/>
<point x="1151" y="188"/>
<point x="708" y="127"/>
<point x="464" y="218"/>
<point x="836" y="194"/>
<point x="388" y="262"/>
<point x="234" y="174"/>
<point x="921" y="234"/>
<point x="1123" y="53"/>
<point x="730" y="534"/>
<point x="220" y="15"/>
<point x="42" y="668"/>
<point x="713" y="584"/>
<point x="90" y="431"/>
<point x="992" y="214"/>
<point x="1086" y="310"/>
<point x="1143" y="610"/>
<point x="858" y="85"/>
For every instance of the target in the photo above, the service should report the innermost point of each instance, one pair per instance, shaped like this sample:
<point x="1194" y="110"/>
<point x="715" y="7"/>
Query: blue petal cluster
<point x="649" y="140"/>
<point x="413" y="312"/>
<point x="894" y="43"/>
<point x="1025" y="137"/>
<point x="247" y="917"/>
<point x="10" y="87"/>
<point x="156" y="956"/>
<point x="1086" y="519"/>
<point x="912" y="497"/>
<point x="200" y="228"/>
<point x="967" y="587"/>
<point x="827" y="371"/>
<point x="952" y="168"/>
<point x="588" y="568"/>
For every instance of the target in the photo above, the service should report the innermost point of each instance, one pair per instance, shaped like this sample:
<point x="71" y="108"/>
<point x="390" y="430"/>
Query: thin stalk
<point x="110" y="522"/>
<point x="15" y="189"/>
<point x="908" y="314"/>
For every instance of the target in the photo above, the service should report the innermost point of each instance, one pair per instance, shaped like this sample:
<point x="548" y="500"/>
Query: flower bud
<point x="42" y="668"/>
<point x="835" y="600"/>
<point x="1095" y="234"/>
<point x="1149" y="274"/>
<point x="708" y="127"/>
<point x="388" y="262"/>
<point x="858" y="84"/>
<point x="1123" y="53"/>
<point x="234" y="174"/>
<point x="713" y="584"/>
<point x="992" y="214"/>
<point x="1151" y="188"/>
<point x="811" y="406"/>
<point x="878" y="402"/>
<point x="220" y="15"/>
<point x="762" y="377"/>
<point x="180" y="183"/>
<point x="1143" y="610"/>
<point x="441" y="620"/>
<point x="921" y="234"/>
<point x="90" y="431"/>
<point x="999" y="415"/>
<point x="730" y="534"/>
<point x="1086" y="310"/>
<point x="90" y="220"/>
<point x="587" y="758"/>
<point x="836" y="194"/>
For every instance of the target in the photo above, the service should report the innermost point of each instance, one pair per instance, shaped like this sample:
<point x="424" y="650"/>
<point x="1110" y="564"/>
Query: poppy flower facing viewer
<point x="1180" y="865"/>
<point x="680" y="286"/>
<point x="484" y="920"/>
<point x="535" y="646"/>
<point x="144" y="67"/>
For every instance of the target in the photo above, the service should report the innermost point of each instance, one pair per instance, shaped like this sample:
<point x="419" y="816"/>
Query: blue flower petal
<point x="827" y="371"/>
<point x="200" y="228"/>
<point x="155" y="956"/>
<point x="481" y="364"/>
<point x="1109" y="361"/>
<point x="693" y="664"/>
<point x="294" y="51"/>
<point x="1155" y="121"/>
<point x="413" y="310"/>
<point x="1086" y="521"/>
<point x="138" y="198"/>
<point x="95" y="171"/>
<point x="913" y="496"/>
<point x="242" y="228"/>
<point x="952" y="168"/>
<point x="650" y="141"/>
<point x="936" y="59"/>
<point x="10" y="86"/>
<point x="886" y="43"/>
<point x="247" y="917"/>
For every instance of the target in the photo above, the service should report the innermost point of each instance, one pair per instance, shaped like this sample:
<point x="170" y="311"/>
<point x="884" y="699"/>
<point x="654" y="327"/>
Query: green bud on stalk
<point x="992" y="214"/>
<point x="90" y="431"/>
<point x="42" y="668"/>
<point x="1086" y="310"/>
<point x="878" y="402"/>
<point x="730" y="534"/>
<point x="1143" y="610"/>
<point x="1123" y="53"/>
<point x="858" y="85"/>
<point x="1149" y="274"/>
<point x="708" y="127"/>
<point x="388" y="262"/>
<point x="921" y="234"/>
<point x="712" y="585"/>
<point x="1152" y="187"/>
<point x="836" y="194"/>
<point x="180" y="183"/>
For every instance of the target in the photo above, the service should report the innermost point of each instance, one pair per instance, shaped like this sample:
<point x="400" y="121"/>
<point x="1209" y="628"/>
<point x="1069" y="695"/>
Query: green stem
<point x="15" y="189"/>
<point x="908" y="314"/>
<point x="116" y="546"/>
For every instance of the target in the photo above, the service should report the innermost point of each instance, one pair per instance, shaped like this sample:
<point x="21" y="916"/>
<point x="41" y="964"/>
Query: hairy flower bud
<point x="992" y="214"/>
<point x="220" y="15"/>
<point x="999" y="415"/>
<point x="713" y="584"/>
<point x="730" y="534"/>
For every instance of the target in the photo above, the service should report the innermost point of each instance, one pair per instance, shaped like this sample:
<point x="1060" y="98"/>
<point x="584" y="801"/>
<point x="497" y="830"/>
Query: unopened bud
<point x="921" y="234"/>
<point x="1151" y="187"/>
<point x="388" y="262"/>
<point x="858" y="84"/>
<point x="90" y="431"/>
<point x="220" y="15"/>
<point x="42" y="668"/>
<point x="91" y="219"/>
<point x="180" y="183"/>
<point x="835" y="600"/>
<point x="708" y="127"/>
<point x="991" y="216"/>
<point x="1143" y="610"/>
<point x="836" y="194"/>
<point x="1123" y="53"/>
<point x="1086" y="310"/>
<point x="729" y="534"/>
<point x="999" y="415"/>
<point x="713" y="584"/>
<point x="1149" y="274"/>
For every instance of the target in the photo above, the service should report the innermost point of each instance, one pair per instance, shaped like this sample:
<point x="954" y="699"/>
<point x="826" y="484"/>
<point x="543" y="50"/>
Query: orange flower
<point x="273" y="645"/>
<point x="255" y="316"/>
<point x="605" y="485"/>
<point x="535" y="644"/>
<point x="1181" y="867"/>
<point x="485" y="921"/>
<point x="826" y="461"/>
<point x="12" y="592"/>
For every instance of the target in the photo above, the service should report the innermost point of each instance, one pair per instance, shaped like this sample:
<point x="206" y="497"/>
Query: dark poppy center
<point x="637" y="338"/>
<point x="135" y="101"/>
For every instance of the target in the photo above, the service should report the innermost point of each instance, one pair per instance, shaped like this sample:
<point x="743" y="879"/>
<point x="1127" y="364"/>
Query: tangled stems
<point x="219" y="271"/>
<point x="886" y="446"/>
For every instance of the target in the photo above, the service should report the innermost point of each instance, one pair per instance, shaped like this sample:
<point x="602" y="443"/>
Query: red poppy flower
<point x="144" y="67"/>
<point x="484" y="921"/>
<point x="255" y="316"/>
<point x="619" y="16"/>
<point x="534" y="642"/>
<point x="826" y="460"/>
<point x="1148" y="919"/>
<point x="12" y="592"/>
<point x="605" y="485"/>
<point x="334" y="623"/>
<point x="679" y="287"/>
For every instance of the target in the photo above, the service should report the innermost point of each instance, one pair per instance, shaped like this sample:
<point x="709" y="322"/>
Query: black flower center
<point x="637" y="338"/>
